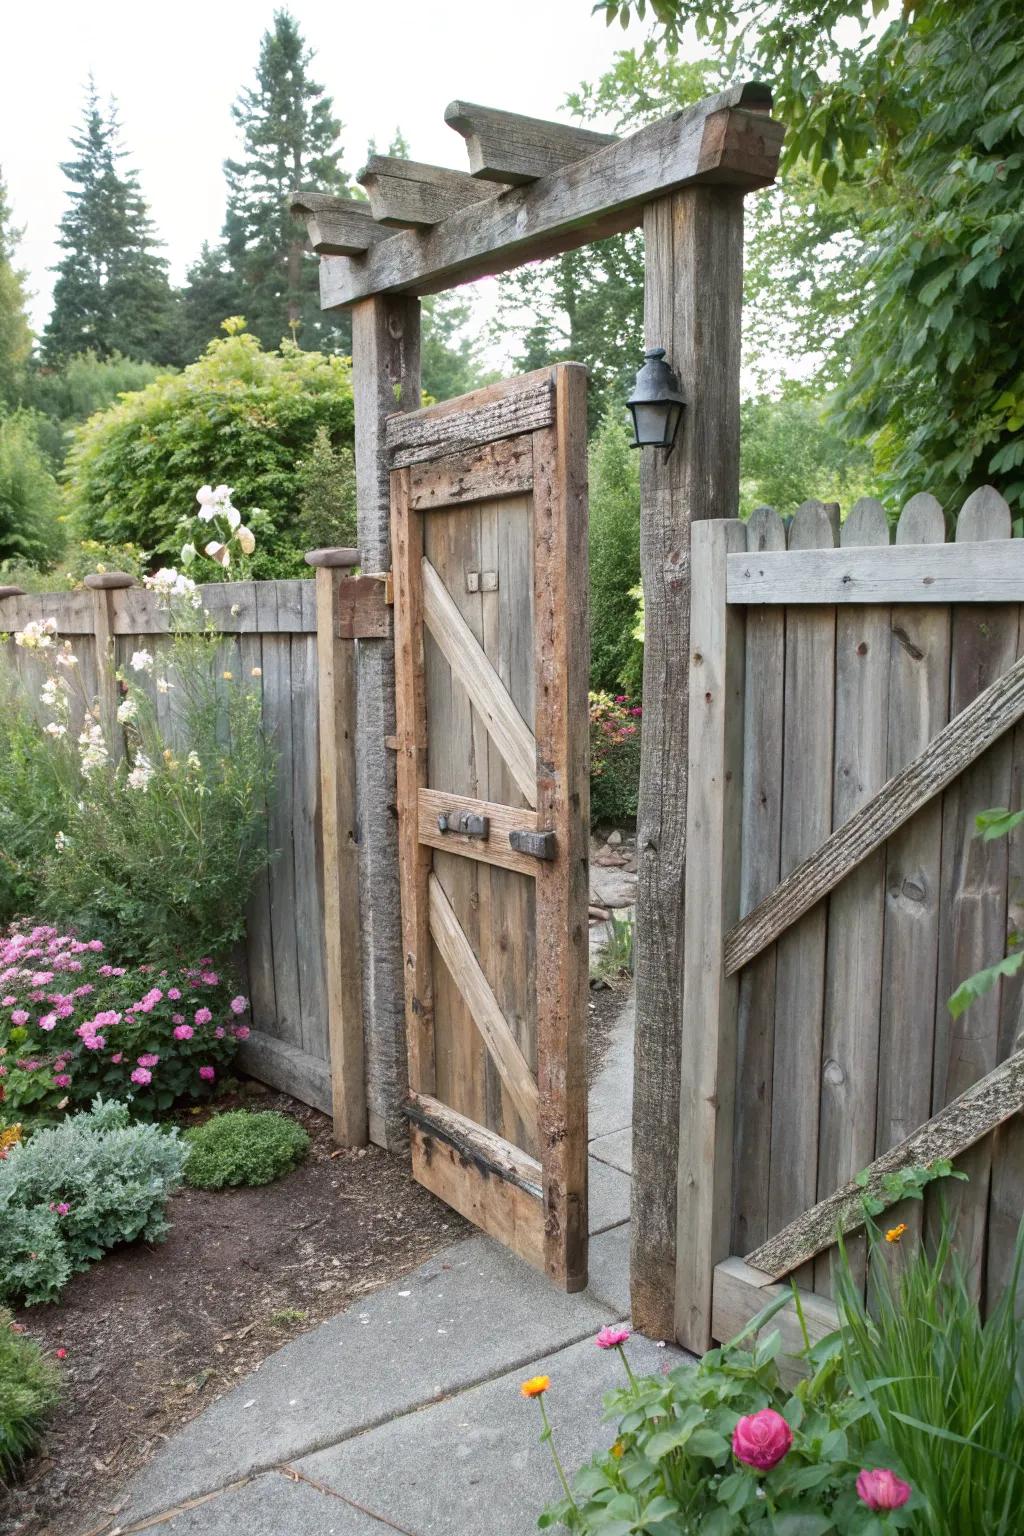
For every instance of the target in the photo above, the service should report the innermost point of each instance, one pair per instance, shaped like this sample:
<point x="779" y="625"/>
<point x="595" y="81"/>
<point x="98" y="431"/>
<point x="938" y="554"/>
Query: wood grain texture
<point x="493" y="850"/>
<point x="975" y="728"/>
<point x="515" y="150"/>
<point x="694" y="247"/>
<point x="561" y="642"/>
<point x="385" y="378"/>
<point x="433" y="434"/>
<point x="849" y="1063"/>
<point x="764" y="676"/>
<point x="468" y="661"/>
<point x="955" y="1128"/>
<point x="740" y="1293"/>
<point x="603" y="194"/>
<point x="448" y="1168"/>
<point x="708" y="1046"/>
<point x="411" y="195"/>
<point x="502" y="468"/>
<point x="338" y="226"/>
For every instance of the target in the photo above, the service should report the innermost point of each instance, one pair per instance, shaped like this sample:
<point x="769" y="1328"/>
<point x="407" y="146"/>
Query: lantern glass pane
<point x="650" y="420"/>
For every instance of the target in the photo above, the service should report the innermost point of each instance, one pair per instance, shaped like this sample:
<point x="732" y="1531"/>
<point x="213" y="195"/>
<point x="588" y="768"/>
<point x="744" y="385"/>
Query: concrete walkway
<point x="404" y="1413"/>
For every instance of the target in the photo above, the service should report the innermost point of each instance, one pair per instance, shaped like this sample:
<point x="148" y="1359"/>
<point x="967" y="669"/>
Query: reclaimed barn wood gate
<point x="489" y="510"/>
<point x="852" y="710"/>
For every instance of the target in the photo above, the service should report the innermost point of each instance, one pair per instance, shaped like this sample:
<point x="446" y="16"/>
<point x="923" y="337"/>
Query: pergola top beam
<point x="728" y="140"/>
<point x="337" y="226"/>
<point x="412" y="195"/>
<point x="506" y="147"/>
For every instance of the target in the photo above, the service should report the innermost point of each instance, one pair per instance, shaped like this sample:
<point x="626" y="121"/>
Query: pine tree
<point x="15" y="334"/>
<point x="289" y="135"/>
<point x="111" y="293"/>
<point x="212" y="293"/>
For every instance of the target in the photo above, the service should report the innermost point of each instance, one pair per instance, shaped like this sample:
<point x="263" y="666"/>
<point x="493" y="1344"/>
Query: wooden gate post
<point x="385" y="379"/>
<point x="692" y="306"/>
<point x="103" y="586"/>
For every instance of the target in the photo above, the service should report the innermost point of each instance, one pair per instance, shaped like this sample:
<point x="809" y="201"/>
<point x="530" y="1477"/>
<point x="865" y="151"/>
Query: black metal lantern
<point x="656" y="403"/>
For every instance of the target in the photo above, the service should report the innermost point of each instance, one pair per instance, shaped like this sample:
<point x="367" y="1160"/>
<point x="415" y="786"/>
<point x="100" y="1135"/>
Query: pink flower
<point x="96" y="945"/>
<point x="61" y="1209"/>
<point x="207" y="1074"/>
<point x="62" y="1080"/>
<point x="174" y="993"/>
<point x="19" y="1016"/>
<point x="9" y="1002"/>
<point x="94" y="1042"/>
<point x="184" y="1032"/>
<point x="881" y="1489"/>
<point x="209" y="978"/>
<point x="761" y="1439"/>
<point x="48" y="1021"/>
<point x="203" y="1015"/>
<point x="107" y="1017"/>
<point x="148" y="1061"/>
<point x="612" y="1338"/>
<point x="177" y="1018"/>
<point x="239" y="1004"/>
<point x="117" y="1058"/>
<point x="61" y="1354"/>
<point x="141" y="1076"/>
<point x="218" y="1033"/>
<point x="241" y="1031"/>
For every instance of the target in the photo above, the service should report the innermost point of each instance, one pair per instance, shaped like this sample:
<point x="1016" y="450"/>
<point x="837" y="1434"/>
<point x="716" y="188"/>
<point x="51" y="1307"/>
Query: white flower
<point x="66" y="657"/>
<point x="55" y="729"/>
<point x="223" y="494"/>
<point x="236" y="609"/>
<point x="37" y="635"/>
<point x="94" y="749"/>
<point x="233" y="516"/>
<point x="246" y="540"/>
<point x="218" y="552"/>
<point x="60" y="842"/>
<point x="126" y="710"/>
<point x="193" y="760"/>
<point x="48" y="695"/>
<point x="141" y="661"/>
<point x="169" y="583"/>
<point x="163" y="686"/>
<point x="141" y="773"/>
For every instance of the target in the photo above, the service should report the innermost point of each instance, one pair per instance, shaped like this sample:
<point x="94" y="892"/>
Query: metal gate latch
<point x="540" y="845"/>
<point x="468" y="823"/>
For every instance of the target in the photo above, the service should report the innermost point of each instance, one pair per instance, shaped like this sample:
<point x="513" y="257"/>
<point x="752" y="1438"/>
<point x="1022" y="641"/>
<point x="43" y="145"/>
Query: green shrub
<point x="28" y="1391"/>
<point x="328" y="501"/>
<point x="156" y="853"/>
<point x="70" y="1194"/>
<point x="242" y="1147"/>
<point x="614" y="555"/>
<point x="614" y="758"/>
<point x="239" y="416"/>
<point x="66" y="396"/>
<point x="30" y="530"/>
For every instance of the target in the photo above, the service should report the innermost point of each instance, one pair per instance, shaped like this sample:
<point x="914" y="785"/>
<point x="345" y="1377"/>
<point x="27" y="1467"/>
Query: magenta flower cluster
<point x="72" y="1025"/>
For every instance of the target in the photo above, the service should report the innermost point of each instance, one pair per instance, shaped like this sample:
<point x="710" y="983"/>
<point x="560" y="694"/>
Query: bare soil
<point x="154" y="1334"/>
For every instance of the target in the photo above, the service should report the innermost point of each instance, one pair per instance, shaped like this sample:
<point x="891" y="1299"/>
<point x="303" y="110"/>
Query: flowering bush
<point x="155" y="849"/>
<point x="614" y="757"/>
<point x="28" y="1390"/>
<point x="72" y="1025"/>
<point x="71" y="1193"/>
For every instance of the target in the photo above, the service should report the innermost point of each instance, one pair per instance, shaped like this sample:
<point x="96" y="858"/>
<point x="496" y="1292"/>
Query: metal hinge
<point x="539" y="845"/>
<point x="468" y="823"/>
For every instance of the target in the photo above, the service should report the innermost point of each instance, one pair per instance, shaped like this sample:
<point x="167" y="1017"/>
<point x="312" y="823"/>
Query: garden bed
<point x="154" y="1333"/>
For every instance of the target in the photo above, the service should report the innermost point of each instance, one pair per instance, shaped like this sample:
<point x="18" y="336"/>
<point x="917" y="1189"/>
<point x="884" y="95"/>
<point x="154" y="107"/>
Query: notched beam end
<point x="741" y="147"/>
<point x="515" y="150"/>
<point x="408" y="194"/>
<point x="337" y="226"/>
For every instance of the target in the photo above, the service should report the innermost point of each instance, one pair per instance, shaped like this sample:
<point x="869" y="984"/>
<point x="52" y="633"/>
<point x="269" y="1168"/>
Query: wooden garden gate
<point x="488" y="534"/>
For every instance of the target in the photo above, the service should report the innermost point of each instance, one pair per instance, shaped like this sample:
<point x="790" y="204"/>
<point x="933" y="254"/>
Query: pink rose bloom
<point x="94" y="1042"/>
<point x="177" y="1018"/>
<point x="106" y="970"/>
<point x="209" y="978"/>
<point x="117" y="1058"/>
<point x="218" y="1033"/>
<point x="42" y="978"/>
<point x="62" y="1080"/>
<point x="612" y="1338"/>
<point x="148" y="1061"/>
<point x="207" y="1074"/>
<point x="239" y="1004"/>
<point x="19" y="1016"/>
<point x="48" y="1021"/>
<point x="108" y="1017"/>
<point x="83" y="991"/>
<point x="241" y="1031"/>
<point x="65" y="1009"/>
<point x="141" y="1076"/>
<point x="761" y="1439"/>
<point x="184" y="1032"/>
<point x="881" y="1489"/>
<point x="203" y="1015"/>
<point x="174" y="993"/>
<point x="62" y="1208"/>
<point x="9" y="1002"/>
<point x="96" y="945"/>
<point x="117" y="970"/>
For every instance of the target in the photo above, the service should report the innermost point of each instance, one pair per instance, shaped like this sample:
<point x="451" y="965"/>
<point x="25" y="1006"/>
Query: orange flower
<point x="535" y="1386"/>
<point x="617" y="1450"/>
<point x="895" y="1233"/>
<point x="9" y="1138"/>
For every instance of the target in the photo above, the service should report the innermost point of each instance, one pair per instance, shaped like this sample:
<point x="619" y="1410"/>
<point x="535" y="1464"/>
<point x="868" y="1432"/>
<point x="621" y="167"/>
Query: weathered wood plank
<point x="515" y="150"/>
<point x="308" y="915"/>
<point x="603" y="194"/>
<point x="708" y="1047"/>
<point x="521" y="405"/>
<point x="288" y="1067"/>
<point x="937" y="573"/>
<point x="494" y="849"/>
<point x="764" y="677"/>
<point x="502" y="468"/>
<point x="561" y="648"/>
<point x="740" y="1293"/>
<point x="457" y="954"/>
<point x="849" y="1062"/>
<point x="361" y="610"/>
<point x="385" y="378"/>
<point x="411" y="195"/>
<point x="464" y="654"/>
<point x="968" y="734"/>
<point x="338" y="226"/>
<point x="259" y="942"/>
<point x="918" y="710"/>
<point x="277" y="718"/>
<point x="808" y="748"/>
<point x="693" y="244"/>
<point x="951" y="1132"/>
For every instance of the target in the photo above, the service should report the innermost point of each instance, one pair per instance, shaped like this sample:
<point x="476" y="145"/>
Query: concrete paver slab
<point x="274" y="1505"/>
<point x="469" y="1313"/>
<point x="608" y="1266"/>
<point x="609" y="1192"/>
<point x="615" y="1149"/>
<point x="611" y="1094"/>
<point x="474" y="1465"/>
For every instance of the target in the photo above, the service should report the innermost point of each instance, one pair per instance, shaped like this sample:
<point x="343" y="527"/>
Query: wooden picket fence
<point x="852" y="710"/>
<point x="294" y="641"/>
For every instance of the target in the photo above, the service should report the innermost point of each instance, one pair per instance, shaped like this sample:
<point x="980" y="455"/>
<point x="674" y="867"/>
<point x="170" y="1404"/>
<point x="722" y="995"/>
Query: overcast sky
<point x="175" y="70"/>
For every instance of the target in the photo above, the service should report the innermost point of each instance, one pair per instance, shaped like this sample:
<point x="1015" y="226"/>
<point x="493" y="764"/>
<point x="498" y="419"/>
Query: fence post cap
<point x="109" y="581"/>
<point x="343" y="558"/>
<point x="12" y="591"/>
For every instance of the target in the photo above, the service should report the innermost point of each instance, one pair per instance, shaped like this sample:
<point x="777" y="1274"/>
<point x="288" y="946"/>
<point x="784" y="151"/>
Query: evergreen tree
<point x="15" y="335"/>
<point x="212" y="293"/>
<point x="111" y="293"/>
<point x="289" y="136"/>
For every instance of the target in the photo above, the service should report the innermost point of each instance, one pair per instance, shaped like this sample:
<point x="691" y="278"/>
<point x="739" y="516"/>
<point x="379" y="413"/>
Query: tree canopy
<point x="15" y="333"/>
